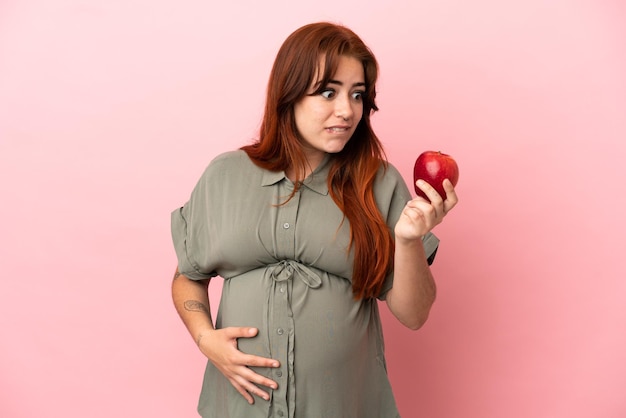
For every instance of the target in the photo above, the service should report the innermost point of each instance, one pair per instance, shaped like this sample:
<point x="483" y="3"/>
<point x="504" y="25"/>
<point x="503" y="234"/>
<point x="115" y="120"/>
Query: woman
<point x="308" y="226"/>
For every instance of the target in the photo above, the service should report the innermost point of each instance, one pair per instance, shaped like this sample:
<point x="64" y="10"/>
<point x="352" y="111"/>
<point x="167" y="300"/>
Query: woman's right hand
<point x="220" y="347"/>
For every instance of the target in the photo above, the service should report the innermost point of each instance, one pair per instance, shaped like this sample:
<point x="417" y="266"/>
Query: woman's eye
<point x="328" y="93"/>
<point x="358" y="95"/>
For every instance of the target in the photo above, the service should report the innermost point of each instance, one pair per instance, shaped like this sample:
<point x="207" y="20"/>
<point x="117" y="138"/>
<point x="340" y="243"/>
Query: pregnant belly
<point x="327" y="326"/>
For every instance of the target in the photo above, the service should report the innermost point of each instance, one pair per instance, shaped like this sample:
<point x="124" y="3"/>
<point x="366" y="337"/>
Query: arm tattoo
<point x="195" y="306"/>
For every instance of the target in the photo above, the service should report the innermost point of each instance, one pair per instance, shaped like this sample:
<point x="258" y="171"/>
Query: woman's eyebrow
<point x="340" y="83"/>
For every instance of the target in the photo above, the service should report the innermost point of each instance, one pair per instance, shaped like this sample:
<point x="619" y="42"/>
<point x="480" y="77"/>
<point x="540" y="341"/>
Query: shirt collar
<point x="316" y="181"/>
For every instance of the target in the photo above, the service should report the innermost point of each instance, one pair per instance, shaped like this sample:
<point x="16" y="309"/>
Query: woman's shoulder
<point x="389" y="185"/>
<point x="229" y="161"/>
<point x="230" y="169"/>
<point x="230" y="157"/>
<point x="388" y="174"/>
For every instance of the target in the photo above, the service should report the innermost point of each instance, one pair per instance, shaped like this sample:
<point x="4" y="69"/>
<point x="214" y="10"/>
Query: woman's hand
<point x="220" y="347"/>
<point x="414" y="291"/>
<point x="420" y="216"/>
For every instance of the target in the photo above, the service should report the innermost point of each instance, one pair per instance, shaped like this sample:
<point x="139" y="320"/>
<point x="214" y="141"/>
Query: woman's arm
<point x="413" y="292"/>
<point x="191" y="300"/>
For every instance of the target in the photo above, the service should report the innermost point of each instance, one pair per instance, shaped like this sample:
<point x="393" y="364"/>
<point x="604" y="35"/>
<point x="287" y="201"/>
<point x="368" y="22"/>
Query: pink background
<point x="110" y="110"/>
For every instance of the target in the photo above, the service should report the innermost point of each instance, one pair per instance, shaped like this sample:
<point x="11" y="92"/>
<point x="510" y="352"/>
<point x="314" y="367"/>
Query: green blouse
<point x="287" y="272"/>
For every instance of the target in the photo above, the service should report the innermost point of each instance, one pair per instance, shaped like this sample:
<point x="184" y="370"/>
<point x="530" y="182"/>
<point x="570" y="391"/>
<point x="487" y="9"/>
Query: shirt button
<point x="280" y="413"/>
<point x="280" y="331"/>
<point x="279" y="373"/>
<point x="286" y="225"/>
<point x="282" y="289"/>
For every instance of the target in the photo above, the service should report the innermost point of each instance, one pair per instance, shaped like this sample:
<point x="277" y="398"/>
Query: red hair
<point x="353" y="170"/>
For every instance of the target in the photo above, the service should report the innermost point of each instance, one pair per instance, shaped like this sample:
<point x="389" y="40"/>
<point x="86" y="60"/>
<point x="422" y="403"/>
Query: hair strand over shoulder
<point x="353" y="170"/>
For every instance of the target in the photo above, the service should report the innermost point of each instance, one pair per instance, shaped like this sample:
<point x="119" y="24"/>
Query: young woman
<point x="308" y="227"/>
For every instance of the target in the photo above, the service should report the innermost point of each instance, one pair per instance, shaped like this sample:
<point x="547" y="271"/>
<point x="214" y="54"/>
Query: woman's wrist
<point x="412" y="243"/>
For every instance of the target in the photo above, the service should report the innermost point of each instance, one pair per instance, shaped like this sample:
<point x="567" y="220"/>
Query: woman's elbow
<point x="417" y="322"/>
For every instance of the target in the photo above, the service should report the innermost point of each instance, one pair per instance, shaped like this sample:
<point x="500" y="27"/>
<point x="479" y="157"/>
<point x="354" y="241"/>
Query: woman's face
<point x="326" y="121"/>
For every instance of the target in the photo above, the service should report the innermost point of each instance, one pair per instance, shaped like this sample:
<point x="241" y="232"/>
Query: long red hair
<point x="353" y="170"/>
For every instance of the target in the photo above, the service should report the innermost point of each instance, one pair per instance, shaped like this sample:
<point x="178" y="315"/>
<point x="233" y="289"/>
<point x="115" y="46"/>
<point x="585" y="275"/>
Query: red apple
<point x="434" y="167"/>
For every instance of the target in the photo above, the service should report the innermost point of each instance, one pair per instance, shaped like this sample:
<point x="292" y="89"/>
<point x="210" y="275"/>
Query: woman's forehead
<point x="321" y="69"/>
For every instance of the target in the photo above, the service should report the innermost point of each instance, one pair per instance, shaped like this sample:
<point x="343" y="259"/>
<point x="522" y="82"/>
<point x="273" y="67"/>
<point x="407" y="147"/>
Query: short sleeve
<point x="191" y="231"/>
<point x="186" y="260"/>
<point x="392" y="194"/>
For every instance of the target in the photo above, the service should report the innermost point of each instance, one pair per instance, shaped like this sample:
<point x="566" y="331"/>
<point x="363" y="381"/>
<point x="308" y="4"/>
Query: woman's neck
<point x="313" y="161"/>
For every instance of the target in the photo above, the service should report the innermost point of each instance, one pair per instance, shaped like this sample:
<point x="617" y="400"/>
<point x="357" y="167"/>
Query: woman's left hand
<point x="420" y="216"/>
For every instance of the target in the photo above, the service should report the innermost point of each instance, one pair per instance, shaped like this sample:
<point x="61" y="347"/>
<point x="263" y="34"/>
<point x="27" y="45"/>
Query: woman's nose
<point x="344" y="107"/>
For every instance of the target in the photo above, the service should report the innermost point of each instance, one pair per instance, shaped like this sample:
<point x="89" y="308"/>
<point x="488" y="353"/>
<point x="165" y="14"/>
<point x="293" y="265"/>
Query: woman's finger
<point x="246" y="382"/>
<point x="451" y="197"/>
<point x="242" y="391"/>
<point x="430" y="192"/>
